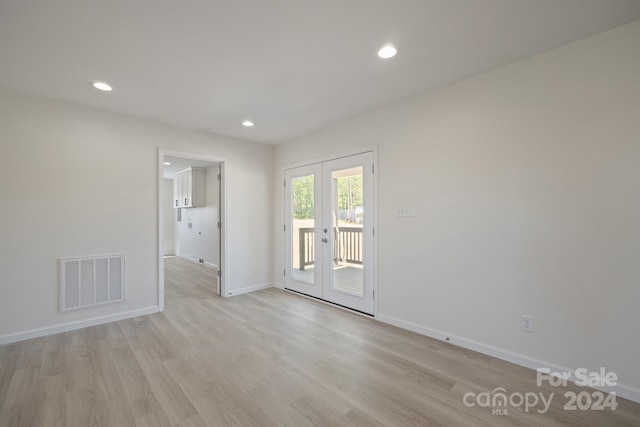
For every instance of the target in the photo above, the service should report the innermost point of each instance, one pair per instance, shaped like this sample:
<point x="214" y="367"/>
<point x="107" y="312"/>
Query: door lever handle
<point x="325" y="240"/>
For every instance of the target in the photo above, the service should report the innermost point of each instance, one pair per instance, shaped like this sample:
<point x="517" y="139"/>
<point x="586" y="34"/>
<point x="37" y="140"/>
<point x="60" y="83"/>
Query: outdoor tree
<point x="303" y="197"/>
<point x="350" y="195"/>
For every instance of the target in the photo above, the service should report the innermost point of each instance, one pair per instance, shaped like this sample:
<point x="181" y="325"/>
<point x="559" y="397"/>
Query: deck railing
<point x="306" y="246"/>
<point x="347" y="245"/>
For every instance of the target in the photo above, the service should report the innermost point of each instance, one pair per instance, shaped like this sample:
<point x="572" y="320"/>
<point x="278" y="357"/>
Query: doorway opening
<point x="191" y="212"/>
<point x="329" y="226"/>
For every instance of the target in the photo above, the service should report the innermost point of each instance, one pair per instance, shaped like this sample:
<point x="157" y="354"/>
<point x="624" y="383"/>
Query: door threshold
<point x="344" y="307"/>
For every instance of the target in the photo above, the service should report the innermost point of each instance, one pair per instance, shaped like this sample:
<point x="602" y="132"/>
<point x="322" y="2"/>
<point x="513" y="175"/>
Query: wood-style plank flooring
<point x="264" y="359"/>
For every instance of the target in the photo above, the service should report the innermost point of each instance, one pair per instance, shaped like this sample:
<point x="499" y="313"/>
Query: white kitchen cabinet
<point x="189" y="188"/>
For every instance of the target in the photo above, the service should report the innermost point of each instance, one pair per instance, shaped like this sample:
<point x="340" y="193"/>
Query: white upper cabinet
<point x="189" y="188"/>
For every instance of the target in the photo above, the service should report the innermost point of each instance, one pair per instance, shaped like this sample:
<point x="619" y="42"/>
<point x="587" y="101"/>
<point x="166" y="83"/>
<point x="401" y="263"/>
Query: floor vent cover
<point x="88" y="281"/>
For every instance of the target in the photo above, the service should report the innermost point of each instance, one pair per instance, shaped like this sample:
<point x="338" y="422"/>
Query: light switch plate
<point x="405" y="211"/>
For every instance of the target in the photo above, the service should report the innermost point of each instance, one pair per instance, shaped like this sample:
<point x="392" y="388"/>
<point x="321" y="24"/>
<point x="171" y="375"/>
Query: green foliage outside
<point x="303" y="197"/>
<point x="349" y="195"/>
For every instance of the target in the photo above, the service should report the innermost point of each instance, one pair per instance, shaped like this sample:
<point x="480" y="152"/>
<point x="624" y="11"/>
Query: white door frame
<point x="374" y="149"/>
<point x="223" y="267"/>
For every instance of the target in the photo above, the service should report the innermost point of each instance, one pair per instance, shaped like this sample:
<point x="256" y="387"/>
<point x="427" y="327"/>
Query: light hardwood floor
<point x="264" y="359"/>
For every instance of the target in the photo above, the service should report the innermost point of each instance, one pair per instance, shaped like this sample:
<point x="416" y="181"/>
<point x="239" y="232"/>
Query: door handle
<point x="325" y="240"/>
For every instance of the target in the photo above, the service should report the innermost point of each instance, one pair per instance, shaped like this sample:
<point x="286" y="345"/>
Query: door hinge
<point x="373" y="168"/>
<point x="374" y="294"/>
<point x="219" y="224"/>
<point x="284" y="272"/>
<point x="285" y="227"/>
<point x="219" y="273"/>
<point x="285" y="182"/>
<point x="373" y="231"/>
<point x="219" y="177"/>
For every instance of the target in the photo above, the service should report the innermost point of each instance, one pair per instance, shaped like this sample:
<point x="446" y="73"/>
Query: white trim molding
<point x="621" y="390"/>
<point x="196" y="261"/>
<point x="249" y="289"/>
<point x="79" y="324"/>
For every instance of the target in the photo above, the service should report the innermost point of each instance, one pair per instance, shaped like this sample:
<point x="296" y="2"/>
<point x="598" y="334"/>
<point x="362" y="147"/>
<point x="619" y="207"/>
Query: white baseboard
<point x="628" y="392"/>
<point x="196" y="261"/>
<point x="234" y="292"/>
<point x="622" y="390"/>
<point x="78" y="324"/>
<point x="188" y="258"/>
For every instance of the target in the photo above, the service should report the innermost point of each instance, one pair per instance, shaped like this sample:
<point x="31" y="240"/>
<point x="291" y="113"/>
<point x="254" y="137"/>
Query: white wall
<point x="201" y="241"/>
<point x="169" y="226"/>
<point x="526" y="186"/>
<point x="79" y="181"/>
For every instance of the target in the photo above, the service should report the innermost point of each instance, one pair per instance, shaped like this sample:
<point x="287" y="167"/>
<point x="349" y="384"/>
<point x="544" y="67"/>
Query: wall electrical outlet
<point x="526" y="323"/>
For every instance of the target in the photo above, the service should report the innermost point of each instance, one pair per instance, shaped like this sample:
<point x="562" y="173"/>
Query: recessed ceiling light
<point x="102" y="86"/>
<point x="387" y="51"/>
<point x="247" y="123"/>
<point x="167" y="163"/>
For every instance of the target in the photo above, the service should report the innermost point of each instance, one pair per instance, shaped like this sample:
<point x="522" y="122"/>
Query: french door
<point x="329" y="241"/>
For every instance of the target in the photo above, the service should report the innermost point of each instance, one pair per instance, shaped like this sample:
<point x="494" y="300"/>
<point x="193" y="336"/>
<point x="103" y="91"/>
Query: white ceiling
<point x="291" y="66"/>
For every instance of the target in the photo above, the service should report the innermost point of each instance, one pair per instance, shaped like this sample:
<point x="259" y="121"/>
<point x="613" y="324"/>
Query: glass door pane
<point x="303" y="228"/>
<point x="347" y="206"/>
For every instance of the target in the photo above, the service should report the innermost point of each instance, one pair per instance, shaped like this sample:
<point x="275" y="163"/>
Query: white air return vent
<point x="88" y="281"/>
